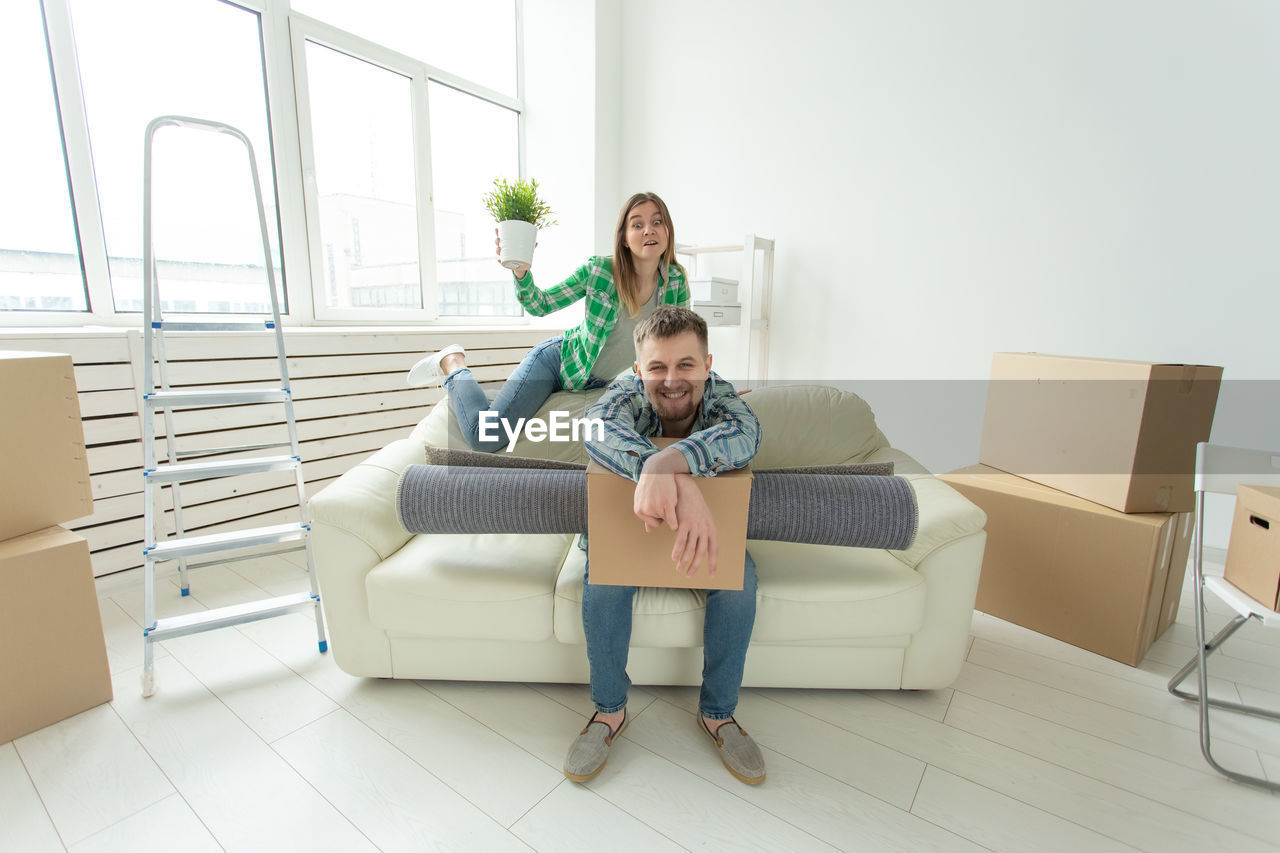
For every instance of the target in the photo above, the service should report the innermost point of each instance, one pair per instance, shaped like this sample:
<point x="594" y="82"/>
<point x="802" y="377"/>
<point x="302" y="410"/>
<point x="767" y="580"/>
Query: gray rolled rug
<point x="855" y="510"/>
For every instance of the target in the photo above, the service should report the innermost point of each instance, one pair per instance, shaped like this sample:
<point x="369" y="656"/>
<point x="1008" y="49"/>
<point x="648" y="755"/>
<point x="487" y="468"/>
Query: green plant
<point x="518" y="200"/>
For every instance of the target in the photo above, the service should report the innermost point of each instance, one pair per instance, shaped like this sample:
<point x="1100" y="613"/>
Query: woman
<point x="620" y="291"/>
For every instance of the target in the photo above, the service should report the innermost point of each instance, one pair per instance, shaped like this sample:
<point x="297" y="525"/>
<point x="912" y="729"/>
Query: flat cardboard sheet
<point x="623" y="554"/>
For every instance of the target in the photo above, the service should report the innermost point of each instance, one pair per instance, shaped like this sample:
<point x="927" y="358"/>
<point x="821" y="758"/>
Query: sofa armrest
<point x="355" y="527"/>
<point x="945" y="514"/>
<point x="362" y="502"/>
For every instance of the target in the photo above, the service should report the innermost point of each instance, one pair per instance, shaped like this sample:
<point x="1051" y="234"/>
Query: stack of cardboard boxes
<point x="1086" y="476"/>
<point x="53" y="660"/>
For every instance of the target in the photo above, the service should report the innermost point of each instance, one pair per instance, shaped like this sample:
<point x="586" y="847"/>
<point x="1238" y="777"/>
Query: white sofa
<point x="508" y="607"/>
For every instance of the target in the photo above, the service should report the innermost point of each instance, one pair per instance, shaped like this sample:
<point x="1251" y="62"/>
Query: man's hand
<point x="696" y="536"/>
<point x="655" y="500"/>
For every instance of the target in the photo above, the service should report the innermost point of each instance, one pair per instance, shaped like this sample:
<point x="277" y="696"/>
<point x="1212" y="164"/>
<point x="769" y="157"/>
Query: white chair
<point x="1220" y="469"/>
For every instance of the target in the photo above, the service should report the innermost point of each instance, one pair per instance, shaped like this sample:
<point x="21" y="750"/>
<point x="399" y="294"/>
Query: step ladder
<point x="159" y="399"/>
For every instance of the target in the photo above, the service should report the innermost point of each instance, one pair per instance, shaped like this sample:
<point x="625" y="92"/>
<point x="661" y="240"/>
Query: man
<point x="674" y="394"/>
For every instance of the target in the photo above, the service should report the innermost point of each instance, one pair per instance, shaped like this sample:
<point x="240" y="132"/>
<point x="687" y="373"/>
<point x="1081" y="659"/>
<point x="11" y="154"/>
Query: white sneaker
<point x="428" y="370"/>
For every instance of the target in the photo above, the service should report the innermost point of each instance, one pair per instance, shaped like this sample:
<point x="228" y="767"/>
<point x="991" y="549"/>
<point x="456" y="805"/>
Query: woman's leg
<point x="535" y="379"/>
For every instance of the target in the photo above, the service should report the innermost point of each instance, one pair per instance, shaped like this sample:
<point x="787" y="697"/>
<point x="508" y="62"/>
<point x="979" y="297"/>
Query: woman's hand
<point x="519" y="272"/>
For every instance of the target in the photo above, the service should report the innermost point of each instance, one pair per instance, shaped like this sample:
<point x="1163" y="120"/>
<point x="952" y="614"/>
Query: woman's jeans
<point x="535" y="379"/>
<point x="730" y="616"/>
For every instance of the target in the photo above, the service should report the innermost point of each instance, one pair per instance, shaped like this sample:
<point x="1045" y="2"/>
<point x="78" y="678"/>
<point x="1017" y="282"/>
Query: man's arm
<point x="622" y="450"/>
<point x="730" y="440"/>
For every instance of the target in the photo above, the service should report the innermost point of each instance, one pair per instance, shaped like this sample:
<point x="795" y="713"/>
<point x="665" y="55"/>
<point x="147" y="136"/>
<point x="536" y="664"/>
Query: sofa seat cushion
<point x="474" y="586"/>
<point x="662" y="618"/>
<point x="828" y="592"/>
<point x="808" y="593"/>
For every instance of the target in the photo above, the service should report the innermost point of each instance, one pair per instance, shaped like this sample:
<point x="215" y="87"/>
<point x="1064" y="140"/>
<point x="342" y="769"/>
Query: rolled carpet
<point x="854" y="510"/>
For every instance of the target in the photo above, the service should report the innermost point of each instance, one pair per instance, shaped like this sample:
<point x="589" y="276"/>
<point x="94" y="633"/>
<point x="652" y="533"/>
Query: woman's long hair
<point x="624" y="267"/>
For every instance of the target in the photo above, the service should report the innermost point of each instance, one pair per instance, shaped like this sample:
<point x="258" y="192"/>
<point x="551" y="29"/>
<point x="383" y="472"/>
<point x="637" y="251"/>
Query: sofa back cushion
<point x="813" y="425"/>
<point x="802" y="425"/>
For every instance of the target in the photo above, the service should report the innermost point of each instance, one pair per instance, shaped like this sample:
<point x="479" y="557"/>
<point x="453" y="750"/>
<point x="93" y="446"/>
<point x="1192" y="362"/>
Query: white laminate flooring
<point x="254" y="741"/>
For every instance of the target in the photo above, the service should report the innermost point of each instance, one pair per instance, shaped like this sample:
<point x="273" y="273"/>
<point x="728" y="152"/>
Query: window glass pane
<point x="362" y="136"/>
<point x="475" y="40"/>
<point x="143" y="58"/>
<point x="40" y="265"/>
<point x="472" y="142"/>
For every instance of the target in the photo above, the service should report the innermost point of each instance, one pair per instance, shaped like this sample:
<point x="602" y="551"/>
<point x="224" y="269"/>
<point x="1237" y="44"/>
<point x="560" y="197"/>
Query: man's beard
<point x="678" y="408"/>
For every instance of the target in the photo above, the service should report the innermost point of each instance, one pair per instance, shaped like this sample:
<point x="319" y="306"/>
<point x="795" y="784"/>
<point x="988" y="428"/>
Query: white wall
<point x="946" y="179"/>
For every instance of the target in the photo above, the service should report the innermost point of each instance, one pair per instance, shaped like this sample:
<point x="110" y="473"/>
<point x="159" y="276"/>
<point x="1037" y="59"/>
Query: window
<point x="143" y="58"/>
<point x="475" y="40"/>
<point x="40" y="268"/>
<point x="376" y="128"/>
<point x="472" y="142"/>
<point x="362" y="138"/>
<point x="402" y="152"/>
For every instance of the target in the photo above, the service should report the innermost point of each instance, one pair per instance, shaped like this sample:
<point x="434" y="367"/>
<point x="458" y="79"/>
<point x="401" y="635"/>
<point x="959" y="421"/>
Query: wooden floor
<point x="256" y="742"/>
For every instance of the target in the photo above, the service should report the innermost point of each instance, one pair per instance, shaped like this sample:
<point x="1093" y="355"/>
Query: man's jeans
<point x="535" y="379"/>
<point x="730" y="616"/>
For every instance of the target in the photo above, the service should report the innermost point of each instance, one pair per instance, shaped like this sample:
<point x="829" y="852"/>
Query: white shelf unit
<point x="755" y="292"/>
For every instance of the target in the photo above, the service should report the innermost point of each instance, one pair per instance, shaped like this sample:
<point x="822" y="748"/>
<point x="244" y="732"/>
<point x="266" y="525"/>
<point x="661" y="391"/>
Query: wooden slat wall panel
<point x="350" y="399"/>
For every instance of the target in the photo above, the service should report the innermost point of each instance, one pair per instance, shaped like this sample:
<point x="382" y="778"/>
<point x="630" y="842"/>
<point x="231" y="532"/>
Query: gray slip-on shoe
<point x="738" y="751"/>
<point x="590" y="749"/>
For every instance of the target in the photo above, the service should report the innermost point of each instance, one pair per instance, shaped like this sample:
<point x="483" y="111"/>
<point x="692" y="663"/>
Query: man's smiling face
<point x="675" y="373"/>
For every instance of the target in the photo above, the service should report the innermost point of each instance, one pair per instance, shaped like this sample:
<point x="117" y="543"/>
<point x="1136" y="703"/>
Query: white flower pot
<point x="518" y="239"/>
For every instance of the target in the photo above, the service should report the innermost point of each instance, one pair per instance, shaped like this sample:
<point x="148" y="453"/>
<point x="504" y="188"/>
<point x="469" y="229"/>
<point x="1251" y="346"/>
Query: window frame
<point x="284" y="34"/>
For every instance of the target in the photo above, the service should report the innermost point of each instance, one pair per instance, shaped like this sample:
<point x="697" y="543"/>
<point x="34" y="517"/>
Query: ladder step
<point x="209" y="543"/>
<point x="197" y="326"/>
<point x="214" y="397"/>
<point x="183" y="472"/>
<point x="224" y="617"/>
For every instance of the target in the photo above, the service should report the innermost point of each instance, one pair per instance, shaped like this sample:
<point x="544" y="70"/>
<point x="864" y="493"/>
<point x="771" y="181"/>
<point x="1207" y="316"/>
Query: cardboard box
<point x="1253" y="554"/>
<point x="1119" y="433"/>
<point x="45" y="476"/>
<point x="53" y="660"/>
<point x="622" y="554"/>
<point x="1088" y="575"/>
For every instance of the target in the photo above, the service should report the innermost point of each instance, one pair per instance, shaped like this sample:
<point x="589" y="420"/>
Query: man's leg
<point x="726" y="633"/>
<point x="730" y="616"/>
<point x="606" y="620"/>
<point x="535" y="379"/>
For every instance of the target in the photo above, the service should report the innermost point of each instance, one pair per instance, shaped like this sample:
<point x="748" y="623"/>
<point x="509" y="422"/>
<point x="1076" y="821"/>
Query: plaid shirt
<point x="594" y="280"/>
<point x="726" y="433"/>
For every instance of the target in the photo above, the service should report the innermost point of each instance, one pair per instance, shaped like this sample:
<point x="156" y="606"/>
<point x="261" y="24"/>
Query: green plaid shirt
<point x="594" y="280"/>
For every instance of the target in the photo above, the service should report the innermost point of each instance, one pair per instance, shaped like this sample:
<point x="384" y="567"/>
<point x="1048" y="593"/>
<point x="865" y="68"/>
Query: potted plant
<point x="519" y="212"/>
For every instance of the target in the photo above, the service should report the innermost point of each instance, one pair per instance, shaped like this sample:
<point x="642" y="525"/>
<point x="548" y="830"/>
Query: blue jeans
<point x="726" y="632"/>
<point x="535" y="379"/>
